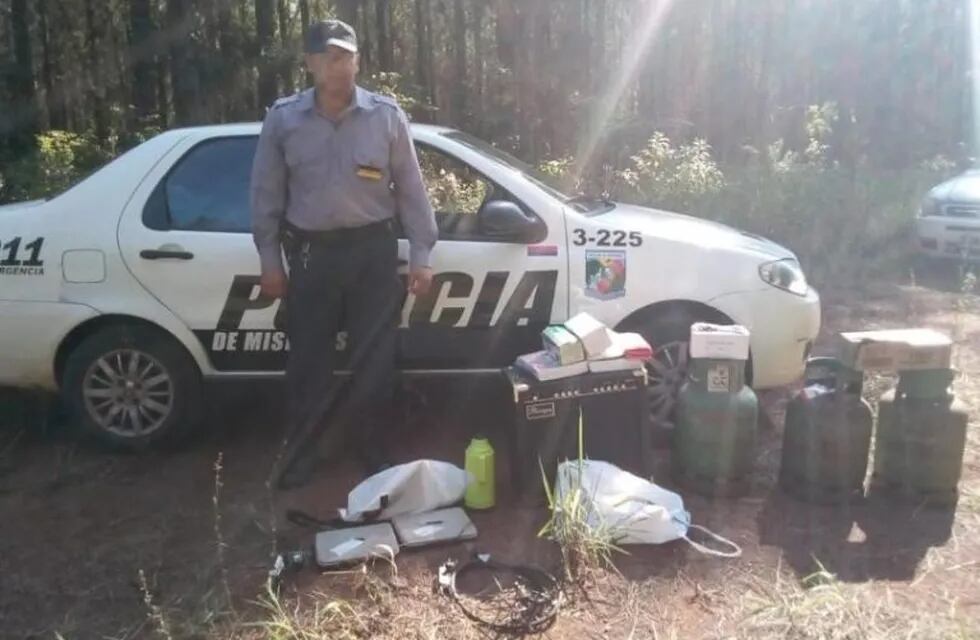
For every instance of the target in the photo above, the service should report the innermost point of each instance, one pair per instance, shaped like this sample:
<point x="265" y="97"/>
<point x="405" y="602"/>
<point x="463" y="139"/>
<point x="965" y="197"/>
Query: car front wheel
<point x="132" y="387"/>
<point x="669" y="333"/>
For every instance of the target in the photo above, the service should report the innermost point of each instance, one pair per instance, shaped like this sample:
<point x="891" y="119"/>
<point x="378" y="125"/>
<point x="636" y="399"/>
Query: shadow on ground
<point x="877" y="539"/>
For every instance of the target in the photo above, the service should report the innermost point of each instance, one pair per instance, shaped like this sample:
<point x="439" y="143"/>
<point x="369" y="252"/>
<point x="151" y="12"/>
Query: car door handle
<point x="160" y="254"/>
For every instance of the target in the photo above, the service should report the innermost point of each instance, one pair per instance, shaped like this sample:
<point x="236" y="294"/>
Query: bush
<point x="60" y="159"/>
<point x="411" y="98"/>
<point x="844" y="223"/>
<point x="672" y="177"/>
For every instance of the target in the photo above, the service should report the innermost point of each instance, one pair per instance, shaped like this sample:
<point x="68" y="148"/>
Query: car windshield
<point x="539" y="178"/>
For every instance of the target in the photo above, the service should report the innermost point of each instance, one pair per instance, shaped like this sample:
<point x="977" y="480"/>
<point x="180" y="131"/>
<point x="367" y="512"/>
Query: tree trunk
<point x="214" y="66"/>
<point x="288" y="61"/>
<point x="599" y="45"/>
<point x="97" y="80"/>
<point x="507" y="32"/>
<point x="160" y="94"/>
<point x="19" y="123"/>
<point x="141" y="54"/>
<point x="362" y="25"/>
<point x="420" y="25"/>
<point x="459" y="62"/>
<point x="304" y="16"/>
<point x="53" y="95"/>
<point x="181" y="70"/>
<point x="265" y="33"/>
<point x="764" y="81"/>
<point x="479" y="9"/>
<point x="524" y="80"/>
<point x="347" y="11"/>
<point x="427" y="50"/>
<point x="386" y="49"/>
<point x="232" y="60"/>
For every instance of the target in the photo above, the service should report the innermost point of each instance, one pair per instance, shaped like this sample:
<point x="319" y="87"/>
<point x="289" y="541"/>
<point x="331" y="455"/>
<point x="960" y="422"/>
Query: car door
<point x="186" y="237"/>
<point x="490" y="296"/>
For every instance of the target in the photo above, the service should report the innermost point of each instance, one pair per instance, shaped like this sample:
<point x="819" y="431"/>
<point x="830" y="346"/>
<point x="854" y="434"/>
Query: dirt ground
<point x="78" y="525"/>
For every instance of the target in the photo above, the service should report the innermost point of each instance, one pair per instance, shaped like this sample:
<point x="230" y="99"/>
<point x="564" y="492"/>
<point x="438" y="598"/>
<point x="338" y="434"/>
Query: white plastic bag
<point x="634" y="510"/>
<point x="414" y="487"/>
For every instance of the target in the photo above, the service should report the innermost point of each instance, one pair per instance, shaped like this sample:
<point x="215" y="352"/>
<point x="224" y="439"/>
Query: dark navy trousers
<point x="342" y="280"/>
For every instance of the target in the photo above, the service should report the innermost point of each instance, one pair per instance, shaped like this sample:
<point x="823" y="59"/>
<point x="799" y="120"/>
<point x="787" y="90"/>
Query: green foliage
<point x="670" y="176"/>
<point x="451" y="186"/>
<point x="583" y="544"/>
<point x="843" y="223"/>
<point x="819" y="125"/>
<point x="60" y="160"/>
<point x="558" y="168"/>
<point x="410" y="97"/>
<point x="63" y="157"/>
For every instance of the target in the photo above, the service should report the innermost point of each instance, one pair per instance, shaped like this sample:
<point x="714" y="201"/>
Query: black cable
<point x="536" y="606"/>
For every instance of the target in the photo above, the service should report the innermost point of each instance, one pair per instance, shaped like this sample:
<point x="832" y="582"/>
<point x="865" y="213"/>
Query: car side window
<point x="208" y="189"/>
<point x="457" y="193"/>
<point x="453" y="187"/>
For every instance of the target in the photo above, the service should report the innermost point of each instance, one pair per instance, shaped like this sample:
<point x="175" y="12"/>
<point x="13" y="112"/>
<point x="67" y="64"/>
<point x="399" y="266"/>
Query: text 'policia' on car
<point x="128" y="289"/>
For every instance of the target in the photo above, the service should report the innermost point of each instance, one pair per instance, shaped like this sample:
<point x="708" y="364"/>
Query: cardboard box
<point x="593" y="334"/>
<point x="896" y="350"/>
<point x="719" y="342"/>
<point x="563" y="344"/>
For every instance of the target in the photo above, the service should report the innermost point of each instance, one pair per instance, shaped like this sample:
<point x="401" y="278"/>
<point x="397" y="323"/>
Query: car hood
<point x="963" y="188"/>
<point x="683" y="228"/>
<point x="18" y="206"/>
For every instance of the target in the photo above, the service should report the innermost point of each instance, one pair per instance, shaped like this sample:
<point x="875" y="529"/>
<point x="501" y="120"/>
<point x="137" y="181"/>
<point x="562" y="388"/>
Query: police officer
<point x="334" y="166"/>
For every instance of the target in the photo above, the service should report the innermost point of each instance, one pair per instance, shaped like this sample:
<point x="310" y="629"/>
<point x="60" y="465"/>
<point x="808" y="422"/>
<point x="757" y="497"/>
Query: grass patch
<point x="313" y="617"/>
<point x="821" y="607"/>
<point x="584" y="545"/>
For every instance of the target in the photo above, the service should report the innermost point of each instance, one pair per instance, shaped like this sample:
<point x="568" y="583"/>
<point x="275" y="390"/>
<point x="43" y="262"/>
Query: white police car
<point x="131" y="288"/>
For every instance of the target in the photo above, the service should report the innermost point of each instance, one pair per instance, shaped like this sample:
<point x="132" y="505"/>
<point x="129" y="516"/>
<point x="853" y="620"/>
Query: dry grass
<point x="311" y="617"/>
<point x="750" y="598"/>
<point x="822" y="608"/>
<point x="154" y="612"/>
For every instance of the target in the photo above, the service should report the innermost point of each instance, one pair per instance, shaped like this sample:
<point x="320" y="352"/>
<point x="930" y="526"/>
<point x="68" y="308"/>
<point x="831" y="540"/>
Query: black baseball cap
<point x="322" y="34"/>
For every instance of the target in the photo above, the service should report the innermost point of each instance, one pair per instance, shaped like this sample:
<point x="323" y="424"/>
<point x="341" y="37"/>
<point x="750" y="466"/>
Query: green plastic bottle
<point x="479" y="463"/>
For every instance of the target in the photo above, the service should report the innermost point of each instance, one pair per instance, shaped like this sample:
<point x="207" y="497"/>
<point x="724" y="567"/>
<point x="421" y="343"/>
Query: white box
<point x="719" y="342"/>
<point x="593" y="334"/>
<point x="896" y="350"/>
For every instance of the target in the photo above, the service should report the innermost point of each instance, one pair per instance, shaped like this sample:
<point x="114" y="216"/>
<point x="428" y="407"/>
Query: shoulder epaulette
<point x="281" y="102"/>
<point x="377" y="98"/>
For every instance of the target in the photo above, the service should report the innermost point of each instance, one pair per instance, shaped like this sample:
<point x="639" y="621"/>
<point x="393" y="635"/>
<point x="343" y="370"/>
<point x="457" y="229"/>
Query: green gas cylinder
<point x="920" y="439"/>
<point x="480" y="492"/>
<point x="714" y="443"/>
<point x="827" y="435"/>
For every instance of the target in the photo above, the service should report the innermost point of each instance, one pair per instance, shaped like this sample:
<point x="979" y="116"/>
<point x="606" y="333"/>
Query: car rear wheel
<point x="132" y="387"/>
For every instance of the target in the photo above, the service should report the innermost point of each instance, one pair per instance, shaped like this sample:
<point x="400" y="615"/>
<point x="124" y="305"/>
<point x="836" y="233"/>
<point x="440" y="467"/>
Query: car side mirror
<point x="505" y="220"/>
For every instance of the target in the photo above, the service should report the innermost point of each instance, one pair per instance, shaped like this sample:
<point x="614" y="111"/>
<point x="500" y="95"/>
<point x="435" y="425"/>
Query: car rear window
<point x="208" y="189"/>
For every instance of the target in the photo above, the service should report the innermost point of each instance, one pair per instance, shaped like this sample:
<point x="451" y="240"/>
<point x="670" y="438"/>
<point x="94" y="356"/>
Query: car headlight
<point x="929" y="207"/>
<point x="786" y="275"/>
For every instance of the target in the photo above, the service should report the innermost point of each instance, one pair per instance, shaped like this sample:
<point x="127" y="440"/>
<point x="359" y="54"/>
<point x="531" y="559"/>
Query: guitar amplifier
<point x="615" y="425"/>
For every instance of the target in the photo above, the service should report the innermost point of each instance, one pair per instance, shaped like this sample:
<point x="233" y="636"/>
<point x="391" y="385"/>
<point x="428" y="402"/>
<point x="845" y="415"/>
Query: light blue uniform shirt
<point x="321" y="174"/>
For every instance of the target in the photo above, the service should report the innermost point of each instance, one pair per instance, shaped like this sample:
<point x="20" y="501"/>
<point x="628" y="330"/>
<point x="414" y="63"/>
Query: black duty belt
<point x="343" y="235"/>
